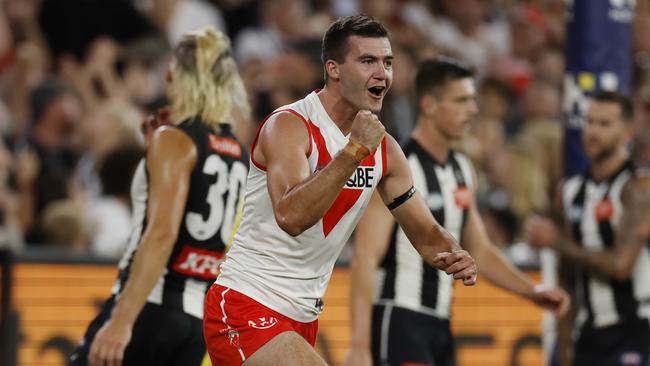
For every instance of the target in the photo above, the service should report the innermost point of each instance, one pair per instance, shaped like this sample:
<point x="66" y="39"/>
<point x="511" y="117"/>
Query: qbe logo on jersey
<point x="364" y="177"/>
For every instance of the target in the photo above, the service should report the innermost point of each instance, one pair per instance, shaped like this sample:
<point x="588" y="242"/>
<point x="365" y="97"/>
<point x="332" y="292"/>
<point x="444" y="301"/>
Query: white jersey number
<point x="219" y="217"/>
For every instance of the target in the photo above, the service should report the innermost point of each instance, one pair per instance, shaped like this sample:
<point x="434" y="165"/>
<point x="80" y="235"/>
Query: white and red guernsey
<point x="290" y="274"/>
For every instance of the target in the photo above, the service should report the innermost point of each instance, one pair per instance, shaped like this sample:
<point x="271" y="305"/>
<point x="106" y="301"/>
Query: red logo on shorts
<point x="604" y="210"/>
<point x="224" y="145"/>
<point x="462" y="197"/>
<point x="196" y="262"/>
<point x="263" y="323"/>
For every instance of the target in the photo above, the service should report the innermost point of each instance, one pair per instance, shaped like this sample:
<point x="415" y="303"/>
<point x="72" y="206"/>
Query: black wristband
<point x="401" y="199"/>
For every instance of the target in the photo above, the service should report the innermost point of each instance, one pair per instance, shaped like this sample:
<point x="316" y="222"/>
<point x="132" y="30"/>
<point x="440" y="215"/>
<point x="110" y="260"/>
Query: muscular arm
<point x="170" y="159"/>
<point x="299" y="197"/>
<point x="415" y="218"/>
<point x="632" y="234"/>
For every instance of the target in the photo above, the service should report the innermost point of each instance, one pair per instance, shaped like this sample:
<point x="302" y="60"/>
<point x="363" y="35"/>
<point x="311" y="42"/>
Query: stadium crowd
<point x="79" y="77"/>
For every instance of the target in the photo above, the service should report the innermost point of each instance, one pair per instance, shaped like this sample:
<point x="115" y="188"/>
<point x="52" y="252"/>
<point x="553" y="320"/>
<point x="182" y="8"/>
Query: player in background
<point x="184" y="194"/>
<point x="401" y="305"/>
<point x="604" y="246"/>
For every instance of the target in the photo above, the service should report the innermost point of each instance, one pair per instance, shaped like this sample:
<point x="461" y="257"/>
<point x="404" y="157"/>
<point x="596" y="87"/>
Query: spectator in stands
<point x="55" y="114"/>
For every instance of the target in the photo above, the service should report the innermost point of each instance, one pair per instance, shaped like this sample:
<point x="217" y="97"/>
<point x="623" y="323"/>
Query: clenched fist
<point x="367" y="130"/>
<point x="459" y="264"/>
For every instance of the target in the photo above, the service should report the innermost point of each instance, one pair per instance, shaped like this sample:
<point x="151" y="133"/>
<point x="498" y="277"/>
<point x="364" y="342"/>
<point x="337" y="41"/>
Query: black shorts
<point x="401" y="336"/>
<point x="618" y="345"/>
<point x="161" y="336"/>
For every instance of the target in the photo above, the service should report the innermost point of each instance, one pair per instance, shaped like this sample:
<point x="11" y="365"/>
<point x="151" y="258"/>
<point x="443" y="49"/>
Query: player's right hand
<point x="110" y="342"/>
<point x="367" y="130"/>
<point x="358" y="356"/>
<point x="459" y="264"/>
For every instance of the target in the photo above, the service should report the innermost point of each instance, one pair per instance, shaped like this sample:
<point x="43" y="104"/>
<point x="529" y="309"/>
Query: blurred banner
<point x="599" y="57"/>
<point x="55" y="303"/>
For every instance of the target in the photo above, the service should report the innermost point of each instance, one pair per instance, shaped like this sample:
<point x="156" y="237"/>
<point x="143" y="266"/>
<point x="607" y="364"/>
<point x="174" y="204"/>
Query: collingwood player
<point x="185" y="194"/>
<point x="605" y="247"/>
<point x="409" y="322"/>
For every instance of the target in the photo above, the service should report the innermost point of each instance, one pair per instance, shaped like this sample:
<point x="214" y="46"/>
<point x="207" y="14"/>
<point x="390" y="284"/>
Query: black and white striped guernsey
<point x="404" y="279"/>
<point x="594" y="210"/>
<point x="216" y="187"/>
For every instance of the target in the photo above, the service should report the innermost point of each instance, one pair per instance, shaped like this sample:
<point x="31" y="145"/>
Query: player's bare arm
<point x="299" y="197"/>
<point x="498" y="270"/>
<point x="436" y="246"/>
<point x="372" y="237"/>
<point x="632" y="234"/>
<point x="170" y="159"/>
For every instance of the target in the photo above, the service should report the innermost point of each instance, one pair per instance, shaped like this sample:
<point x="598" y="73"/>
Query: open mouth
<point x="377" y="91"/>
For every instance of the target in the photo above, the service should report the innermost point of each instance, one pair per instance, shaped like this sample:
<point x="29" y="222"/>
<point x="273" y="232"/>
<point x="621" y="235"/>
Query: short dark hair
<point x="434" y="74"/>
<point x="627" y="107"/>
<point x="335" y="40"/>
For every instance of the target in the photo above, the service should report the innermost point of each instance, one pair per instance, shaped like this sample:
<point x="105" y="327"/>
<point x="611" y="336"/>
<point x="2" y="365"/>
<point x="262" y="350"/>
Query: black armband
<point x="401" y="199"/>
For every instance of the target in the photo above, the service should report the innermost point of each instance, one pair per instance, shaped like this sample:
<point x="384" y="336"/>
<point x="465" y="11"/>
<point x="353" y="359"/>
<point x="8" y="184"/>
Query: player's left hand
<point x="554" y="299"/>
<point x="460" y="264"/>
<point x="109" y="344"/>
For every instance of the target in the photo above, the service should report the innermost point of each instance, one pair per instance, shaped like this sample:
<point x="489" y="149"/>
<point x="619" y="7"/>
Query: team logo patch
<point x="604" y="210"/>
<point x="196" y="262"/>
<point x="224" y="145"/>
<point x="263" y="323"/>
<point x="462" y="197"/>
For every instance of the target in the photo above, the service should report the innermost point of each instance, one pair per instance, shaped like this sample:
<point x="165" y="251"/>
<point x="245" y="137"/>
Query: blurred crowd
<point x="79" y="77"/>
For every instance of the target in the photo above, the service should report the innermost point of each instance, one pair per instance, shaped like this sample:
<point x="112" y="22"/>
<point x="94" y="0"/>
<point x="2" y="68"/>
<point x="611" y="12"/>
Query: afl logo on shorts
<point x="263" y="323"/>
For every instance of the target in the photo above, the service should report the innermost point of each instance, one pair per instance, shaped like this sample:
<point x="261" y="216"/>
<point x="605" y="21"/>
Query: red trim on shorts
<point x="257" y="135"/>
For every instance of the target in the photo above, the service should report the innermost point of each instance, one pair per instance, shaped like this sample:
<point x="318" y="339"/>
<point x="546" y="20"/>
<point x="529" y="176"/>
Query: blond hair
<point x="205" y="80"/>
